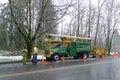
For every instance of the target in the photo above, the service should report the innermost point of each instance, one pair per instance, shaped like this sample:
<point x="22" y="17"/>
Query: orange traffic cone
<point x="103" y="57"/>
<point x="42" y="62"/>
<point x="63" y="60"/>
<point x="118" y="55"/>
<point x="113" y="55"/>
<point x="96" y="57"/>
<point x="84" y="59"/>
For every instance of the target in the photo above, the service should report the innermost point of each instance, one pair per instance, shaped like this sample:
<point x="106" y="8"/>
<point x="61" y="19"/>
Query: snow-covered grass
<point x="15" y="58"/>
<point x="10" y="58"/>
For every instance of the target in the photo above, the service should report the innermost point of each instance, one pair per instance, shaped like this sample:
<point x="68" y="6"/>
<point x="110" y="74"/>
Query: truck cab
<point x="56" y="50"/>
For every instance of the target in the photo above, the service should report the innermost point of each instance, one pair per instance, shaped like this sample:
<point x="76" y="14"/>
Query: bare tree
<point x="31" y="33"/>
<point x="78" y="20"/>
<point x="98" y="19"/>
<point x="112" y="22"/>
<point x="89" y="19"/>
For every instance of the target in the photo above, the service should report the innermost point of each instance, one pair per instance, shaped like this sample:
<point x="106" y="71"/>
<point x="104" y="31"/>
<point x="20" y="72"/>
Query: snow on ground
<point x="15" y="58"/>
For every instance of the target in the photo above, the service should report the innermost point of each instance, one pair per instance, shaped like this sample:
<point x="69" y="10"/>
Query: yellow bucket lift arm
<point x="67" y="38"/>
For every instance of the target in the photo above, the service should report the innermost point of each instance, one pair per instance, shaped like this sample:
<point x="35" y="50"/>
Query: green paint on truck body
<point x="74" y="48"/>
<point x="79" y="47"/>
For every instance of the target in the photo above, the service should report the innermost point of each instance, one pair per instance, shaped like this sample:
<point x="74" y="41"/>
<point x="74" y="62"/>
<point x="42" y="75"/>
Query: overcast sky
<point x="3" y="1"/>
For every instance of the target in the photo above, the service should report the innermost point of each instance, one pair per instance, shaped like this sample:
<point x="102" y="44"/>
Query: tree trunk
<point x="89" y="19"/>
<point x="29" y="48"/>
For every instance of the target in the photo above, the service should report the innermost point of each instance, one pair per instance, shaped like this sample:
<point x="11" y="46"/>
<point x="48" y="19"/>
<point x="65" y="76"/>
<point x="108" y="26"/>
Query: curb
<point x="10" y="62"/>
<point x="19" y="61"/>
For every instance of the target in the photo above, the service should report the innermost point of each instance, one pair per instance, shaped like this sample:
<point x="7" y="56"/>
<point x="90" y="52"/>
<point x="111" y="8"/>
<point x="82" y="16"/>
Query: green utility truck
<point x="67" y="47"/>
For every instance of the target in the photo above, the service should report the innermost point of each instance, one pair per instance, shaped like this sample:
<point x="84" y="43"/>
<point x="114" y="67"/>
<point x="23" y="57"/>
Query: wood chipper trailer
<point x="97" y="51"/>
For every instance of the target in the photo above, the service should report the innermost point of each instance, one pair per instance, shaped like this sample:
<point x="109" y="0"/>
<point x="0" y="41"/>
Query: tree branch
<point x="49" y="28"/>
<point x="14" y="20"/>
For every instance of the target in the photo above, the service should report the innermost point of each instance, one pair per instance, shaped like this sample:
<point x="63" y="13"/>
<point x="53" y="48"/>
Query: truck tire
<point x="56" y="57"/>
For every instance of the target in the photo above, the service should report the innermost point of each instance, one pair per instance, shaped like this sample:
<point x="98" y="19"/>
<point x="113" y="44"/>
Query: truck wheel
<point x="56" y="57"/>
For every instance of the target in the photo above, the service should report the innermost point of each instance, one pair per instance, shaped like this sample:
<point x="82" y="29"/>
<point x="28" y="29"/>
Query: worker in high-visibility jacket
<point x="35" y="52"/>
<point x="24" y="55"/>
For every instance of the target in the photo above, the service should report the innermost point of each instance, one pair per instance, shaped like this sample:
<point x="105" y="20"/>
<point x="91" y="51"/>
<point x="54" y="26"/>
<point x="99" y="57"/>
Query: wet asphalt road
<point x="108" y="69"/>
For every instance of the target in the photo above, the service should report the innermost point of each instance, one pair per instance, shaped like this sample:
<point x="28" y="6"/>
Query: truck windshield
<point x="56" y="46"/>
<point x="59" y="46"/>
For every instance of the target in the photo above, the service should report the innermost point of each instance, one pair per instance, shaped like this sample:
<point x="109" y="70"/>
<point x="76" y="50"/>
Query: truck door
<point x="63" y="49"/>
